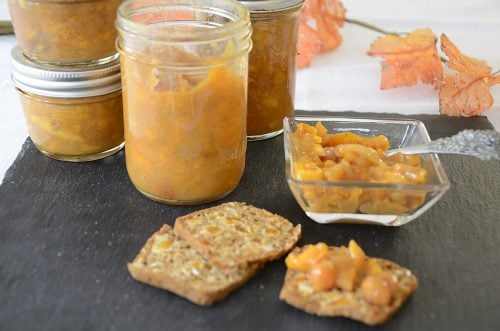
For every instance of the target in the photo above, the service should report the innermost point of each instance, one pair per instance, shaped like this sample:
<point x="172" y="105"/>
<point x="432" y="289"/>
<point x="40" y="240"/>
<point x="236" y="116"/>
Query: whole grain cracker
<point x="235" y="234"/>
<point x="168" y="262"/>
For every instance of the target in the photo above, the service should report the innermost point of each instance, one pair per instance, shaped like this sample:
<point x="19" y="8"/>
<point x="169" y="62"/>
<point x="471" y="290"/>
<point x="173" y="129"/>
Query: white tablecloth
<point x="345" y="79"/>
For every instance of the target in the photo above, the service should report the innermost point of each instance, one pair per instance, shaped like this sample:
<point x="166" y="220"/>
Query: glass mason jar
<point x="184" y="74"/>
<point x="65" y="31"/>
<point x="271" y="76"/>
<point x="72" y="113"/>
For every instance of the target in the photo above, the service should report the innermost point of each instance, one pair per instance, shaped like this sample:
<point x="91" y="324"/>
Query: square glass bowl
<point x="363" y="201"/>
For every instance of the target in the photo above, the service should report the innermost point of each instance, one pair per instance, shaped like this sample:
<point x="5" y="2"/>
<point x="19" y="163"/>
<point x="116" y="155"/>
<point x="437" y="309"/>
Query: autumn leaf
<point x="309" y="45"/>
<point x="408" y="59"/>
<point x="319" y="28"/>
<point x="467" y="91"/>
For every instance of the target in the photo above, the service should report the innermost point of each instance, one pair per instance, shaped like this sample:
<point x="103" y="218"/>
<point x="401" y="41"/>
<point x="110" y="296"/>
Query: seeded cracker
<point x="235" y="234"/>
<point x="168" y="262"/>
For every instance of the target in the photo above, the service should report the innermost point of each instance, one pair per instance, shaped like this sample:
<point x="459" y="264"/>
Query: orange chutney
<point x="65" y="31"/>
<point x="345" y="269"/>
<point x="347" y="157"/>
<point x="185" y="135"/>
<point x="73" y="113"/>
<point x="75" y="129"/>
<point x="271" y="73"/>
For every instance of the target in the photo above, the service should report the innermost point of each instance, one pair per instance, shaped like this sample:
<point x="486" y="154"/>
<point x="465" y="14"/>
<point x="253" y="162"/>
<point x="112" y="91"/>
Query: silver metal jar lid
<point x="270" y="5"/>
<point x="66" y="81"/>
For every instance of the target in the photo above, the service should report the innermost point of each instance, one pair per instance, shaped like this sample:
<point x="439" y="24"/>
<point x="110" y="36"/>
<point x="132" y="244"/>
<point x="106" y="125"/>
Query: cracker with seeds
<point x="168" y="262"/>
<point x="234" y="234"/>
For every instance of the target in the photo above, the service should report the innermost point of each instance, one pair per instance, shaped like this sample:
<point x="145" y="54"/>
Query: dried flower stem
<point x="495" y="80"/>
<point x="370" y="26"/>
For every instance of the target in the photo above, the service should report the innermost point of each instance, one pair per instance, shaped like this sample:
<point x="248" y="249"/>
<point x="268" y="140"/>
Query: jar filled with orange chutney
<point x="184" y="75"/>
<point x="65" y="31"/>
<point x="271" y="76"/>
<point x="73" y="113"/>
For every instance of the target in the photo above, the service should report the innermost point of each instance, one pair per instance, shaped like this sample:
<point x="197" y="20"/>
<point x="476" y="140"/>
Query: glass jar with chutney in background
<point x="271" y="76"/>
<point x="184" y="75"/>
<point x="65" y="31"/>
<point x="73" y="113"/>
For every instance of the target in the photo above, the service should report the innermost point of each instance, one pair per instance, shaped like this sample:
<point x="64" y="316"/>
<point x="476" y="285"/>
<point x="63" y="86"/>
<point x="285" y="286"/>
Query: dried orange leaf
<point x="466" y="92"/>
<point x="320" y="21"/>
<point x="463" y="63"/>
<point x="408" y="59"/>
<point x="465" y="95"/>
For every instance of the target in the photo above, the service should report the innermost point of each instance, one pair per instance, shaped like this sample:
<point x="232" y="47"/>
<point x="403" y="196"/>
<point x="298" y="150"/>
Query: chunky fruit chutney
<point x="65" y="31"/>
<point x="192" y="143"/>
<point x="70" y="129"/>
<point x="184" y="74"/>
<point x="346" y="269"/>
<point x="73" y="113"/>
<point x="271" y="73"/>
<point x="346" y="157"/>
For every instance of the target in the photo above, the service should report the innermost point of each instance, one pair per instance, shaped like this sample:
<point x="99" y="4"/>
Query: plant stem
<point x="495" y="80"/>
<point x="6" y="28"/>
<point x="370" y="26"/>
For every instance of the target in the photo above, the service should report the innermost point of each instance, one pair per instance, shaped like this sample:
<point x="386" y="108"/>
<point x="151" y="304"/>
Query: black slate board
<point x="67" y="231"/>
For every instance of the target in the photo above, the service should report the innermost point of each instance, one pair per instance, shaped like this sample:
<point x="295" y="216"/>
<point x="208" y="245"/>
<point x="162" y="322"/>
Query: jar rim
<point x="263" y="6"/>
<point x="170" y="32"/>
<point x="60" y="1"/>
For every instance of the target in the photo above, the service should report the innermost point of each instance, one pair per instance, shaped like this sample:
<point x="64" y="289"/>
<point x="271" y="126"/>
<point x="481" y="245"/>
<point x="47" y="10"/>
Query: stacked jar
<point x="67" y="72"/>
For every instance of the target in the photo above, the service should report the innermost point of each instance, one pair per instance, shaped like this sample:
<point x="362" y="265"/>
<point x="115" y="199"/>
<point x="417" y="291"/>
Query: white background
<point x="345" y="79"/>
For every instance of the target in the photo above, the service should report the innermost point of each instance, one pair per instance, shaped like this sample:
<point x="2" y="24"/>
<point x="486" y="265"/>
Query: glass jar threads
<point x="184" y="74"/>
<point x="65" y="31"/>
<point x="72" y="113"/>
<point x="271" y="81"/>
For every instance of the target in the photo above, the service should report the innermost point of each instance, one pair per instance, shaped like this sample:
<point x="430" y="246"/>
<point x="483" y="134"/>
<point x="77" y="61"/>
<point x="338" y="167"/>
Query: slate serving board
<point x="67" y="231"/>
